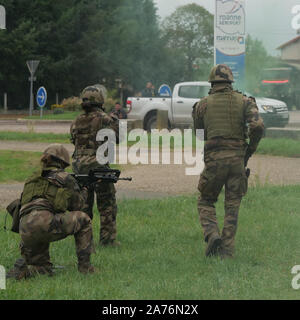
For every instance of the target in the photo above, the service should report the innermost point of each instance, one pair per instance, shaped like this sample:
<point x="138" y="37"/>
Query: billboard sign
<point x="2" y="18"/>
<point x="229" y="37"/>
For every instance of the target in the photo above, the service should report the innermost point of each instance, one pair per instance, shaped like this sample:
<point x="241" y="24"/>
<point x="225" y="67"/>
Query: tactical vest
<point x="224" y="116"/>
<point x="84" y="131"/>
<point x="50" y="188"/>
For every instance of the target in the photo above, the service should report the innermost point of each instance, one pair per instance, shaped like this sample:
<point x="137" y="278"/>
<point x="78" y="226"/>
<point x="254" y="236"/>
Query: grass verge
<point x="17" y="165"/>
<point x="162" y="254"/>
<point x="35" y="137"/>
<point x="279" y="147"/>
<point x="67" y="115"/>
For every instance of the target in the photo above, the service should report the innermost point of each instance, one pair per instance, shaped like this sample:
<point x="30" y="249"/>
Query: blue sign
<point x="236" y="64"/>
<point x="165" y="91"/>
<point x="41" y="97"/>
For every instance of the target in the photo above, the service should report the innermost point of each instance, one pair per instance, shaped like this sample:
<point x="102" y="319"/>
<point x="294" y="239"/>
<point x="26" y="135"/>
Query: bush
<point x="72" y="104"/>
<point x="56" y="106"/>
<point x="58" y="111"/>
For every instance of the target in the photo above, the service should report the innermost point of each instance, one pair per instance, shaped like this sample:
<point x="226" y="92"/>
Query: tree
<point x="78" y="43"/>
<point x="189" y="34"/>
<point x="136" y="46"/>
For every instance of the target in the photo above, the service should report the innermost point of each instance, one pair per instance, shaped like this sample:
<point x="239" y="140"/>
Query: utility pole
<point x="5" y="102"/>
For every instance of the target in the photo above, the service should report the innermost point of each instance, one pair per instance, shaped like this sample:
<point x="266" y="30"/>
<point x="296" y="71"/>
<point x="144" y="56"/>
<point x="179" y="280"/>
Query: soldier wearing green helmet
<point x="232" y="130"/>
<point x="43" y="219"/>
<point x="83" y="131"/>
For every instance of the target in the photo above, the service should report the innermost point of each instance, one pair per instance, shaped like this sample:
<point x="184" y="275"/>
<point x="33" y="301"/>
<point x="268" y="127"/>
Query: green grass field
<point x="162" y="254"/>
<point x="35" y="137"/>
<point x="279" y="147"/>
<point x="17" y="165"/>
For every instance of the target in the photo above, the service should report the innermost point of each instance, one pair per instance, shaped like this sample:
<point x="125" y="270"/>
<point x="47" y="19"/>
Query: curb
<point x="291" y="133"/>
<point x="37" y="121"/>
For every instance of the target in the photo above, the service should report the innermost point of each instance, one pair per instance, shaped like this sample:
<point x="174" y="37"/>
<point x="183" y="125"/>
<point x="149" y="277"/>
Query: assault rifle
<point x="103" y="174"/>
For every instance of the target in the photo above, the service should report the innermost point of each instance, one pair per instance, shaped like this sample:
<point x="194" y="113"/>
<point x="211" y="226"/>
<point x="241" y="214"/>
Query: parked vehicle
<point x="282" y="83"/>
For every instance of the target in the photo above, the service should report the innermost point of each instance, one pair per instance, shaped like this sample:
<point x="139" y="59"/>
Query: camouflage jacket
<point x="63" y="181"/>
<point x="220" y="148"/>
<point x="84" y="131"/>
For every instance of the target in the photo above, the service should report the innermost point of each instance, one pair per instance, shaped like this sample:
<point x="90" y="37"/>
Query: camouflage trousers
<point x="216" y="174"/>
<point x="39" y="228"/>
<point x="107" y="207"/>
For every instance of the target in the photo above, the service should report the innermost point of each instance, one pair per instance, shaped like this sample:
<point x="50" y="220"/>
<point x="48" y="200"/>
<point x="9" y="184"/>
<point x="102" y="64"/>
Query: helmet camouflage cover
<point x="221" y="73"/>
<point x="58" y="151"/>
<point x="94" y="94"/>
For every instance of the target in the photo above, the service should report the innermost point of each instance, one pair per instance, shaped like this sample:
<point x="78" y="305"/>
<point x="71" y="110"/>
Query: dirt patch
<point x="172" y="180"/>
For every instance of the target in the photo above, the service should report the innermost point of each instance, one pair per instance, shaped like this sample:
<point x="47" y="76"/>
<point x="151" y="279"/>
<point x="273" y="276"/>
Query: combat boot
<point x="84" y="264"/>
<point x="19" y="271"/>
<point x="213" y="245"/>
<point x="225" y="254"/>
<point x="86" y="268"/>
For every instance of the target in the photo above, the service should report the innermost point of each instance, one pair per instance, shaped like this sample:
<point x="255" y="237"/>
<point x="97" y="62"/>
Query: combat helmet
<point x="221" y="73"/>
<point x="95" y="94"/>
<point x="58" y="151"/>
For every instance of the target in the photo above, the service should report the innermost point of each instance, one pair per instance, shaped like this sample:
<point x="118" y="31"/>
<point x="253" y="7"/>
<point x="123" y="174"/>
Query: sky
<point x="266" y="20"/>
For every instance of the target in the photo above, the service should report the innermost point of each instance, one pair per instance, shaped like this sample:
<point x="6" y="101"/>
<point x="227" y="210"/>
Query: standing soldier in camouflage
<point x="83" y="135"/>
<point x="228" y="118"/>
<point x="46" y="197"/>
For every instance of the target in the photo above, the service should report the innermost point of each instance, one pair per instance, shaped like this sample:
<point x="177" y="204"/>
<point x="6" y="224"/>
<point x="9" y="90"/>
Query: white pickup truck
<point x="185" y="95"/>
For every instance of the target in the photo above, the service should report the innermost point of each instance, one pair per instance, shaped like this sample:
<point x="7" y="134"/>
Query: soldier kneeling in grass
<point x="42" y="217"/>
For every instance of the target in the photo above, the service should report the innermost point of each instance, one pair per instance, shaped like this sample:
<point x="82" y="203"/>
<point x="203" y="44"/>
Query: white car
<point x="185" y="95"/>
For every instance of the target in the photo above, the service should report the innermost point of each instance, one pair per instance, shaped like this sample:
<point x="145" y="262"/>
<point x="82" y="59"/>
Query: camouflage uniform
<point x="46" y="196"/>
<point x="83" y="135"/>
<point x="228" y="119"/>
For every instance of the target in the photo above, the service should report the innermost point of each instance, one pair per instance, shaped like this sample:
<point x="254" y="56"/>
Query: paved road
<point x="294" y="117"/>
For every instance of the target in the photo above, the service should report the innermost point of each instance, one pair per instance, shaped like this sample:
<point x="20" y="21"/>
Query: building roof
<point x="289" y="42"/>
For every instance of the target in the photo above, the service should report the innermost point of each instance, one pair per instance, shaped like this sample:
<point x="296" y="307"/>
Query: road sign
<point x="165" y="91"/>
<point x="41" y="97"/>
<point x="2" y="18"/>
<point x="32" y="66"/>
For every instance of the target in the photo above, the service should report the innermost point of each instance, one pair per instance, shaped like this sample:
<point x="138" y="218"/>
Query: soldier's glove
<point x="247" y="172"/>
